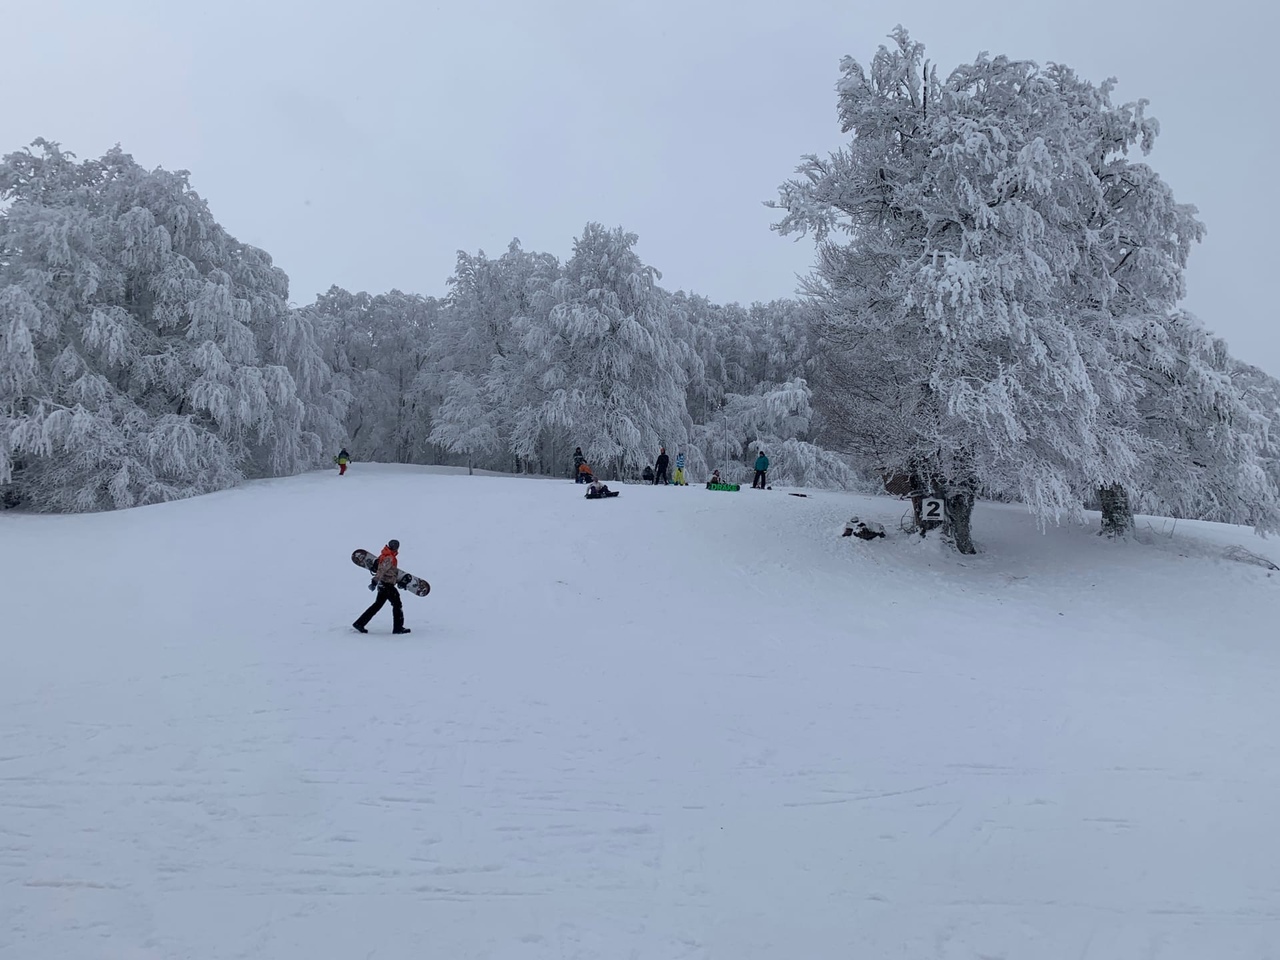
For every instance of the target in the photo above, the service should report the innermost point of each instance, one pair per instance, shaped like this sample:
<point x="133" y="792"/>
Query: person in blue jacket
<point x="762" y="468"/>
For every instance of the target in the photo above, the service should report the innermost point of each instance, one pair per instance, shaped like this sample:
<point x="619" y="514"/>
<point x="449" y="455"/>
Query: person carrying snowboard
<point x="599" y="491"/>
<point x="384" y="582"/>
<point x="679" y="479"/>
<point x="762" y="467"/>
<point x="579" y="461"/>
<point x="342" y="459"/>
<point x="660" y="467"/>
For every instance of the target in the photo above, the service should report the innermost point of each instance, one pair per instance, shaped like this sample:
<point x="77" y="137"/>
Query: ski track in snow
<point x="678" y="725"/>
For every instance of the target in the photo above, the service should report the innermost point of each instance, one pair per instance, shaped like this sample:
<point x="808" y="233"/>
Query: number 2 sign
<point x="933" y="508"/>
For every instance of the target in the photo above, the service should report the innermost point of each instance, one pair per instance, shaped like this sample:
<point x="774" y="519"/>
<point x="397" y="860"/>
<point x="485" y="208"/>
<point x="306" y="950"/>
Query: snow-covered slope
<point x="678" y="724"/>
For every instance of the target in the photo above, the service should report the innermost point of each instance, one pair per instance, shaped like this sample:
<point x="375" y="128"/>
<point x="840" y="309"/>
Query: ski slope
<point x="678" y="725"/>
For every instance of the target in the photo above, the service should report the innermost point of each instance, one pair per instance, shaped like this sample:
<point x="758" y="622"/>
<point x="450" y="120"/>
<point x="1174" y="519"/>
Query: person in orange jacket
<point x="384" y="582"/>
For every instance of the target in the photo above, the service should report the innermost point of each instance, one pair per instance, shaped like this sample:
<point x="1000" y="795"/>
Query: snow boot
<point x="402" y="630"/>
<point x="359" y="628"/>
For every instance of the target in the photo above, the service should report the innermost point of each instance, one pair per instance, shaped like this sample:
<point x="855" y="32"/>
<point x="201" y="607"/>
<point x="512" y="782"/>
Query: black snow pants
<point x="660" y="476"/>
<point x="386" y="592"/>
<point x="759" y="481"/>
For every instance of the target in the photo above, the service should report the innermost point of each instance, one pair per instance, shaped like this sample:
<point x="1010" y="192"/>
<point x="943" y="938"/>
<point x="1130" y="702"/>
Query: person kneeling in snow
<point x="384" y="581"/>
<point x="598" y="491"/>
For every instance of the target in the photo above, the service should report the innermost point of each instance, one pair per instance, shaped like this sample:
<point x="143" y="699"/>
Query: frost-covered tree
<point x="1261" y="393"/>
<point x="143" y="355"/>
<point x="298" y="344"/>
<point x="775" y="419"/>
<point x="985" y="251"/>
<point x="1204" y="439"/>
<point x="479" y="355"/>
<point x="608" y="367"/>
<point x="528" y="358"/>
<point x="379" y="347"/>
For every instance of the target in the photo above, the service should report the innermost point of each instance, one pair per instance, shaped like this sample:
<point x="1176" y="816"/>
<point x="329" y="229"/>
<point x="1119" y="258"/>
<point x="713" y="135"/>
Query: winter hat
<point x="393" y="544"/>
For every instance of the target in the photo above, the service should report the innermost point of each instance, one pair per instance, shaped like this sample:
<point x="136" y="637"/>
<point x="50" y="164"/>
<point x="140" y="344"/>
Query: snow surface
<point x="679" y="724"/>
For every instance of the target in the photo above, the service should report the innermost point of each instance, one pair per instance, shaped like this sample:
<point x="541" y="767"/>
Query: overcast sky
<point x="363" y="143"/>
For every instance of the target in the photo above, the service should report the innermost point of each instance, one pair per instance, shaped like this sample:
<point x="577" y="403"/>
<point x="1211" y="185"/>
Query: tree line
<point x="993" y="312"/>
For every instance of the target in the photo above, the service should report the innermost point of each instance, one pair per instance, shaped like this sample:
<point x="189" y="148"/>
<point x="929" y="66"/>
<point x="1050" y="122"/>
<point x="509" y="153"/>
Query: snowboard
<point x="415" y="585"/>
<point x="722" y="486"/>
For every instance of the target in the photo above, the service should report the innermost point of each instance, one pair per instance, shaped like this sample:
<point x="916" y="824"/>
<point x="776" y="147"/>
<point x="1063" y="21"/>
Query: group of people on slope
<point x="652" y="474"/>
<point x="657" y="473"/>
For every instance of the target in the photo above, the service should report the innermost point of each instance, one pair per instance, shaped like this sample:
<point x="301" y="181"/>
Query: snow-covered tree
<point x="609" y="369"/>
<point x="774" y="419"/>
<point x="379" y="347"/>
<point x="1261" y="393"/>
<point x="479" y="354"/>
<point x="986" y="253"/>
<point x="138" y="341"/>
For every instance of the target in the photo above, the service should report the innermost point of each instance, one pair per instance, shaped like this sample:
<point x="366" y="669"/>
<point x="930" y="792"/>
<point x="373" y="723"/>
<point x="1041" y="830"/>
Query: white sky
<point x="363" y="144"/>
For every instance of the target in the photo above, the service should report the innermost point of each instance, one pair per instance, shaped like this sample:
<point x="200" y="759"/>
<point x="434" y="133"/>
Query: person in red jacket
<point x="384" y="581"/>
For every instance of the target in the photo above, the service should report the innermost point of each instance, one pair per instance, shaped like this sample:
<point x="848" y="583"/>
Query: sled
<point x="406" y="581"/>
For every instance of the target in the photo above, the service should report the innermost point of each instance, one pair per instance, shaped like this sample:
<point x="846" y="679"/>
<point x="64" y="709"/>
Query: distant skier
<point x="679" y="479"/>
<point x="599" y="491"/>
<point x="342" y="459"/>
<point x="578" y="462"/>
<point x="384" y="582"/>
<point x="762" y="467"/>
<point x="660" y="467"/>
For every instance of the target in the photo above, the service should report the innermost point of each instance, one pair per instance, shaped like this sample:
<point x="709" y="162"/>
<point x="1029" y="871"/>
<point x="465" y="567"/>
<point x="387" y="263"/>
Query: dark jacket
<point x="648" y="473"/>
<point x="578" y="459"/>
<point x="663" y="462"/>
<point x="762" y="462"/>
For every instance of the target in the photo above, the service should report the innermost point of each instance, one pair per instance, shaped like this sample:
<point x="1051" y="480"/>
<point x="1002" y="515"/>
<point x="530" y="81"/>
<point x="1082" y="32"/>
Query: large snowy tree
<point x="379" y="349"/>
<point x="986" y="254"/>
<point x="479" y="355"/>
<point x="146" y="353"/>
<point x="611" y="373"/>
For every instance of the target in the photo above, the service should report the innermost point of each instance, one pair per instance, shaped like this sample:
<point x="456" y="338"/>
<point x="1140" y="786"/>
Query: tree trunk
<point x="956" y="524"/>
<point x="959" y="514"/>
<point x="1117" y="512"/>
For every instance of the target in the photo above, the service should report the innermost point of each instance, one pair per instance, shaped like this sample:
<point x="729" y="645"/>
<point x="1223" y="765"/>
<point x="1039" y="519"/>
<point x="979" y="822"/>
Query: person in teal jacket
<point x="762" y="467"/>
